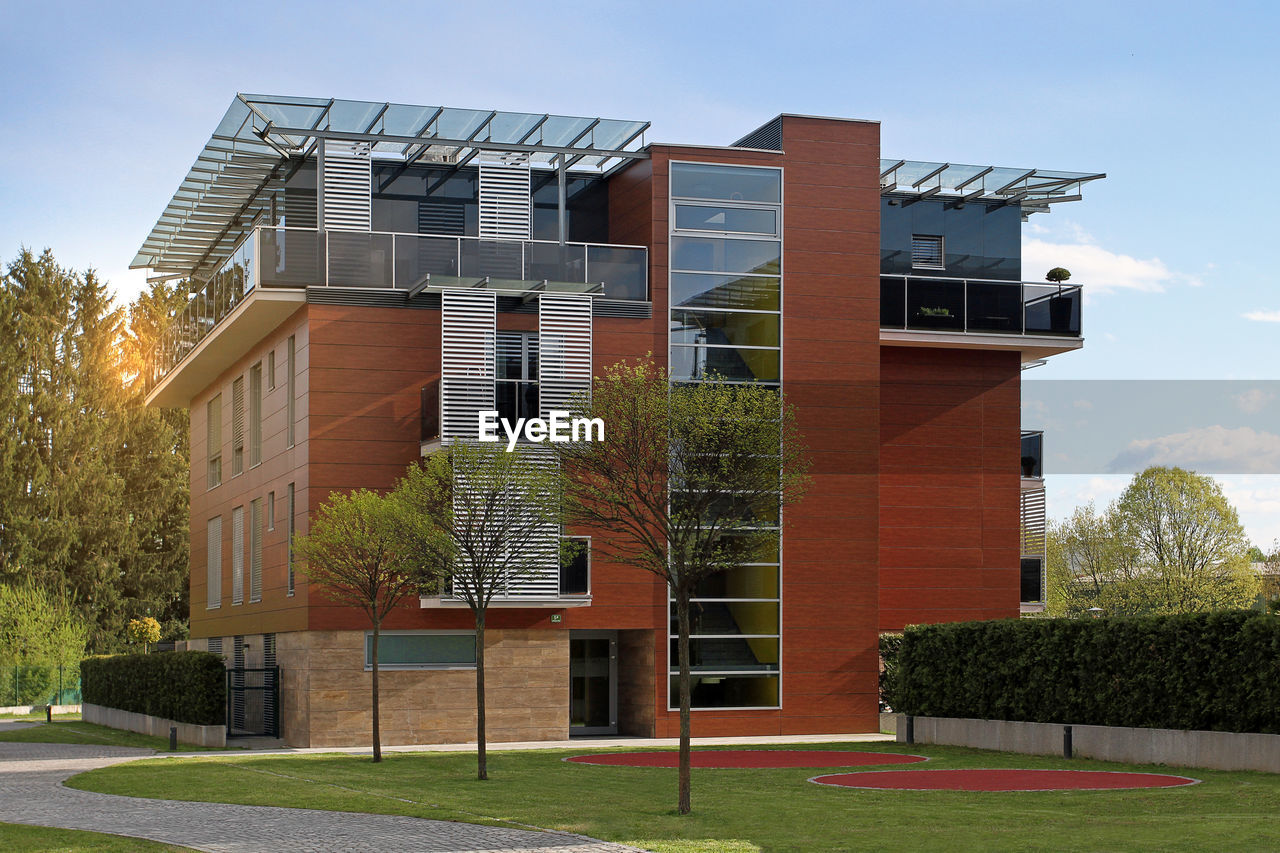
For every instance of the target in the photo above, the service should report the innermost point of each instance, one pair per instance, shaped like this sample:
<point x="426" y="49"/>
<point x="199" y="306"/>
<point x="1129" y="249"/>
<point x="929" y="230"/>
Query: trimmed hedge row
<point x="187" y="687"/>
<point x="1202" y="671"/>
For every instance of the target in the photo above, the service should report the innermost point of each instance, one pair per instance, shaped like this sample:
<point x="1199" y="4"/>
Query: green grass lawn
<point x="76" y="731"/>
<point x="734" y="810"/>
<point x="19" y="838"/>
<point x="37" y="716"/>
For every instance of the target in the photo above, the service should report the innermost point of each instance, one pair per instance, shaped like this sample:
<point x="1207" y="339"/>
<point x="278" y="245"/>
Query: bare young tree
<point x="690" y="481"/>
<point x="486" y="519"/>
<point x="351" y="552"/>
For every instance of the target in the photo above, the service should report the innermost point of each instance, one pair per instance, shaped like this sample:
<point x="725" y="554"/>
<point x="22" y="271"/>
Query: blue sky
<point x="105" y="105"/>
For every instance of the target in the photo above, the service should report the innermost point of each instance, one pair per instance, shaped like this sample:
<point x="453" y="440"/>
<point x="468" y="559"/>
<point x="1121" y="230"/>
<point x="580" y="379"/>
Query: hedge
<point x="187" y="687"/>
<point x="1200" y="671"/>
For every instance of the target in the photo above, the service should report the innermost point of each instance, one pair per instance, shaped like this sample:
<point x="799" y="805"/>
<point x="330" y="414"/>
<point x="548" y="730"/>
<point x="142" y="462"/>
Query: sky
<point x="105" y="105"/>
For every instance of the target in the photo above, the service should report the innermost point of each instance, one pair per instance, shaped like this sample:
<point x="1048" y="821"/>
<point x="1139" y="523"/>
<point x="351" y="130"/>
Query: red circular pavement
<point x="728" y="758"/>
<point x="1002" y="780"/>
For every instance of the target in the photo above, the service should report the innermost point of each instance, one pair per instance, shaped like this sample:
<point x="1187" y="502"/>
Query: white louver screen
<point x="564" y="349"/>
<point x="505" y="207"/>
<point x="468" y="329"/>
<point x="538" y="576"/>
<point x="1033" y="523"/>
<point x="346" y="186"/>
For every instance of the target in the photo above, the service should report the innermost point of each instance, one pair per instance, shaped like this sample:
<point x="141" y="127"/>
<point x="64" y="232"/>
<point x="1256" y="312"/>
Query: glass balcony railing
<point x="1032" y="454"/>
<point x="277" y="257"/>
<point x="979" y="306"/>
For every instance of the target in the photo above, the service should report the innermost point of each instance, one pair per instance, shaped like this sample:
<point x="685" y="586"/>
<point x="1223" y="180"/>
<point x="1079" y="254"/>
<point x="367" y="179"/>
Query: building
<point x="374" y="273"/>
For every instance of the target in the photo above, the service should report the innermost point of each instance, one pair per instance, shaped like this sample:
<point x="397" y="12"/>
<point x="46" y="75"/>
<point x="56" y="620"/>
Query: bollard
<point x="48" y="713"/>
<point x="173" y="738"/>
<point x="911" y="729"/>
<point x="1066" y="742"/>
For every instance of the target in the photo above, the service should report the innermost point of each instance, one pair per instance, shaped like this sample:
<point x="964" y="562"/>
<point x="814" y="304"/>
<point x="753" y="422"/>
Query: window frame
<point x="942" y="252"/>
<point x="213" y="435"/>
<point x="385" y="667"/>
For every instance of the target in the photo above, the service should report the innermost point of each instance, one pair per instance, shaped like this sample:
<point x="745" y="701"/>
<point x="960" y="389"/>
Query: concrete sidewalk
<point x="31" y="792"/>
<point x="585" y="744"/>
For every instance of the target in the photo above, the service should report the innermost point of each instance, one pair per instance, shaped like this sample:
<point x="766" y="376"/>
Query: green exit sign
<point x="555" y="617"/>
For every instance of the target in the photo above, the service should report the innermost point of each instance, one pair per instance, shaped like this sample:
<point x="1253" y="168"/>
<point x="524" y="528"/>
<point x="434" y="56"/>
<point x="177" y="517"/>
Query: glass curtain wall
<point x="725" y="321"/>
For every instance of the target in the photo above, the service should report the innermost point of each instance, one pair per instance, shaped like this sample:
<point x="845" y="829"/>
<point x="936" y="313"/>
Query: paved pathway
<point x="31" y="792"/>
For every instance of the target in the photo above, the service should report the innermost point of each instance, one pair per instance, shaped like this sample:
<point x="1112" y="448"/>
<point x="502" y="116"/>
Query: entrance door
<point x="593" y="682"/>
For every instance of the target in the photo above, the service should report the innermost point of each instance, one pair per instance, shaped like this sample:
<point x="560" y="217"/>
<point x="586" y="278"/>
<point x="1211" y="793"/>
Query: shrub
<point x="187" y="687"/>
<point x="1206" y="671"/>
<point x="890" y="646"/>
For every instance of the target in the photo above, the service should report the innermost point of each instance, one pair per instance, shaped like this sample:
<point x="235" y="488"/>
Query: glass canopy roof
<point x="1033" y="189"/>
<point x="262" y="139"/>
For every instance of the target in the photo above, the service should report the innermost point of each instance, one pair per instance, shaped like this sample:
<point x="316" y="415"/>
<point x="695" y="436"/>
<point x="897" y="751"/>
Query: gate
<point x="253" y="702"/>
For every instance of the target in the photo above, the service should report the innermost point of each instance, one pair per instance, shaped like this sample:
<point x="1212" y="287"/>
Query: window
<point x="237" y="426"/>
<point x="271" y="370"/>
<point x="293" y="389"/>
<point x="516" y="390"/>
<point x="926" y="251"/>
<point x="255" y="550"/>
<point x="291" y="532"/>
<point x="575" y="565"/>
<point x="237" y="555"/>
<point x="271" y="510"/>
<point x="213" y="446"/>
<point x="213" y="560"/>
<point x="422" y="650"/>
<point x="255" y="415"/>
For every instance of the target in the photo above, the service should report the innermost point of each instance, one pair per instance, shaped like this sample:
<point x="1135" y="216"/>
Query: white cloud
<point x="1254" y="400"/>
<point x="1262" y="316"/>
<point x="1096" y="268"/>
<point x="1257" y="499"/>
<point x="1207" y="450"/>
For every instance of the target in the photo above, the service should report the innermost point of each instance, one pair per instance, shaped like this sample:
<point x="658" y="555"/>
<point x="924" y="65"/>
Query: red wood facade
<point x="911" y="515"/>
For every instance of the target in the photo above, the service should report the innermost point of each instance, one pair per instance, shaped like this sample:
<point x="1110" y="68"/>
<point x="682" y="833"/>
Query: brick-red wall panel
<point x="949" y="485"/>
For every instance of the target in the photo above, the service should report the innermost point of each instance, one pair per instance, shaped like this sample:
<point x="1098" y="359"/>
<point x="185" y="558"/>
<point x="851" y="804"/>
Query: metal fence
<point x="33" y="683"/>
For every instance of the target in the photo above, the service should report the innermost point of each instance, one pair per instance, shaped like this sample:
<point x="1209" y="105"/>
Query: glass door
<point x="593" y="682"/>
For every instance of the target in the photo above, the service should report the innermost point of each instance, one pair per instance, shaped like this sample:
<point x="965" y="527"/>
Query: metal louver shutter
<point x="564" y="349"/>
<point x="237" y="555"/>
<point x="237" y="426"/>
<point x="505" y="201"/>
<point x="543" y="545"/>
<point x="468" y="330"/>
<point x="347" y="186"/>
<point x="436" y="217"/>
<point x="255" y="550"/>
<point x="213" y="565"/>
<point x="1033" y="523"/>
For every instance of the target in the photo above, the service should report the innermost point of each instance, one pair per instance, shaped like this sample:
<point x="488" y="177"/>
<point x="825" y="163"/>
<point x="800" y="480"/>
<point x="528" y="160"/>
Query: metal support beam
<point x="562" y="197"/>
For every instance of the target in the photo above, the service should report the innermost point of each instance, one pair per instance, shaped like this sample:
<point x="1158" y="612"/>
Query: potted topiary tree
<point x="1059" y="307"/>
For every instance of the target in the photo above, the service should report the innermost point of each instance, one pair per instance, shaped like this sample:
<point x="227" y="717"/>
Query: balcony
<point x="275" y="266"/>
<point x="1038" y="319"/>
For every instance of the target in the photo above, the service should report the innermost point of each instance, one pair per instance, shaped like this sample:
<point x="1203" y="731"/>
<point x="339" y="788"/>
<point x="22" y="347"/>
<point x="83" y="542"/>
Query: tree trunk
<point x="482" y="760"/>
<point x="377" y="734"/>
<point x="682" y="645"/>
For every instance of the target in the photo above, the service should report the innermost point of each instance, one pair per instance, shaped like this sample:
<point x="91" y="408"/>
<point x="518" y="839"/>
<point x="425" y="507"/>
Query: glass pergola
<point x="263" y="139"/>
<point x="1034" y="189"/>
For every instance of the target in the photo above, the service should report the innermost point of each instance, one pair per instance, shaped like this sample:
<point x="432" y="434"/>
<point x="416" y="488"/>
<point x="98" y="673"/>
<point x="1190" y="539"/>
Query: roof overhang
<point x="1034" y="190"/>
<point x="1030" y="347"/>
<point x="237" y="333"/>
<point x="263" y="139"/>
